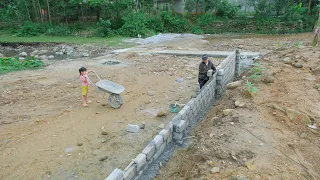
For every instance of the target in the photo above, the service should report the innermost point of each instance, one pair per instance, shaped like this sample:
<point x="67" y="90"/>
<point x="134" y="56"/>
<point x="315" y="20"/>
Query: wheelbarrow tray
<point x="109" y="87"/>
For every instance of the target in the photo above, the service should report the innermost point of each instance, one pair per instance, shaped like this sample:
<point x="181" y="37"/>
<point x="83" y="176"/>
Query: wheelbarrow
<point x="114" y="90"/>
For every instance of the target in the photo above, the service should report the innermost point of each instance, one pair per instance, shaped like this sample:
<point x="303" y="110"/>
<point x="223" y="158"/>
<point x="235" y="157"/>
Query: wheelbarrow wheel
<point x="115" y="100"/>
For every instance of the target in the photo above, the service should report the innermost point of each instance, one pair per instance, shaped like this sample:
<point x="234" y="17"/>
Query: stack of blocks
<point x="187" y="116"/>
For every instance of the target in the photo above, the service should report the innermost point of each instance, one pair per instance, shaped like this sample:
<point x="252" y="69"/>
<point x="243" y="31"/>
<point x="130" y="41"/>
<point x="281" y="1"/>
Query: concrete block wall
<point x="175" y="129"/>
<point x="226" y="72"/>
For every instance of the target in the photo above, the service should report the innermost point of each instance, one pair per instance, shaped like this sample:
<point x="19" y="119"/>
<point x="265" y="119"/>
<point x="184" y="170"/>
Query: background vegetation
<point x="105" y="18"/>
<point x="14" y="64"/>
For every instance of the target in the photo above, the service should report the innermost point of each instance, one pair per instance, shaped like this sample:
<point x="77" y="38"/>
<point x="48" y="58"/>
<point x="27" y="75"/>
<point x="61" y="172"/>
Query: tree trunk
<point x="40" y="11"/>
<point x="49" y="11"/>
<point x="98" y="13"/>
<point x="35" y="10"/>
<point x="197" y="7"/>
<point x="172" y="8"/>
<point x="309" y="7"/>
<point x="25" y="3"/>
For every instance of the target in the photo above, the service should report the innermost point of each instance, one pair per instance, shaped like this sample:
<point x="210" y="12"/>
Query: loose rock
<point x="239" y="104"/>
<point x="228" y="112"/>
<point x="104" y="133"/>
<point x="79" y="144"/>
<point x="51" y="57"/>
<point x="133" y="128"/>
<point x="298" y="65"/>
<point x="103" y="158"/>
<point x="85" y="54"/>
<point x="161" y="126"/>
<point x="151" y="93"/>
<point x="42" y="51"/>
<point x="294" y="115"/>
<point x="215" y="170"/>
<point x="287" y="60"/>
<point x="23" y="54"/>
<point x="234" y="85"/>
<point x="161" y="113"/>
<point x="268" y="79"/>
<point x="143" y="126"/>
<point x="43" y="57"/>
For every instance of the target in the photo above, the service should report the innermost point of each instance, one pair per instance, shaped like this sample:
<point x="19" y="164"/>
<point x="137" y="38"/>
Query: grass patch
<point x="110" y="41"/>
<point x="15" y="64"/>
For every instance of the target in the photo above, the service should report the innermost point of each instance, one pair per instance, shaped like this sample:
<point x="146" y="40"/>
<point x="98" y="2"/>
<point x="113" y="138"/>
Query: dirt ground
<point x="268" y="138"/>
<point x="46" y="134"/>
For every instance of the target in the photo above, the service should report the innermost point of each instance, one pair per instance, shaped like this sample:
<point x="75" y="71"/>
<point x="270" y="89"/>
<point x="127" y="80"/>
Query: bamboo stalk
<point x="49" y="11"/>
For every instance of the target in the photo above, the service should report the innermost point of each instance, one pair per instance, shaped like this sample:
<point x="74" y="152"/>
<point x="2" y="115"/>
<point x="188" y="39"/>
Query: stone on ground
<point x="23" y="54"/>
<point x="234" y="85"/>
<point x="215" y="170"/>
<point x="228" y="112"/>
<point x="133" y="128"/>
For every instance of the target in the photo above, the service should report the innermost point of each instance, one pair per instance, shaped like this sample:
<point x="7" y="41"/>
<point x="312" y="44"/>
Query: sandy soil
<point x="260" y="140"/>
<point x="46" y="134"/>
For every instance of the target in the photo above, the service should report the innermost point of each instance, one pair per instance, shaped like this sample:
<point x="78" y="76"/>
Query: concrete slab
<point x="214" y="54"/>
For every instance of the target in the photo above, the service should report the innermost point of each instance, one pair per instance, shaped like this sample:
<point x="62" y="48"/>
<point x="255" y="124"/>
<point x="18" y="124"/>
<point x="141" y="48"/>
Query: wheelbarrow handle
<point x="97" y="75"/>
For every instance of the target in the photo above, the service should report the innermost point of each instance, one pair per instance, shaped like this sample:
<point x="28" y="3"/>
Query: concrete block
<point x="141" y="161"/>
<point x="149" y="150"/>
<point x="133" y="128"/>
<point x="165" y="133"/>
<point x="158" y="140"/>
<point x="177" y="136"/>
<point x="180" y="127"/>
<point x="176" y="119"/>
<point x="184" y="111"/>
<point x="116" y="174"/>
<point x="160" y="151"/>
<point x="169" y="140"/>
<point x="190" y="103"/>
<point x="221" y="72"/>
<point x="169" y="126"/>
<point x="191" y="117"/>
<point x="130" y="171"/>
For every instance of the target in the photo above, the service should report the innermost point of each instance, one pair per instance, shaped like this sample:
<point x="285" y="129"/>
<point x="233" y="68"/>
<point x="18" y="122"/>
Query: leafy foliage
<point x="134" y="24"/>
<point x="130" y="18"/>
<point x="255" y="72"/>
<point x="225" y="9"/>
<point x="31" y="29"/>
<point x="14" y="64"/>
<point x="104" y="28"/>
<point x="61" y="30"/>
<point x="251" y="88"/>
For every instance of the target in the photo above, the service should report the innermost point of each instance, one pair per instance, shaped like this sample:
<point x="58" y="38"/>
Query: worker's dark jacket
<point x="203" y="69"/>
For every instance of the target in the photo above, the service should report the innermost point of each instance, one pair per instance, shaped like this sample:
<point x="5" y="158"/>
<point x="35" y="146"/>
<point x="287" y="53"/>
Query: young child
<point x="85" y="85"/>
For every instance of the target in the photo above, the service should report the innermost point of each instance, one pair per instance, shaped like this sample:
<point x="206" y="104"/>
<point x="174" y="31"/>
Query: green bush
<point x="14" y="64"/>
<point x="156" y="24"/>
<point x="31" y="29"/>
<point x="226" y="9"/>
<point x="134" y="24"/>
<point x="104" y="28"/>
<point x="174" y="24"/>
<point x="61" y="30"/>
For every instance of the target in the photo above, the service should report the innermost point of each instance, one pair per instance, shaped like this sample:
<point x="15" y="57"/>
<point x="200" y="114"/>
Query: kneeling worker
<point x="204" y="66"/>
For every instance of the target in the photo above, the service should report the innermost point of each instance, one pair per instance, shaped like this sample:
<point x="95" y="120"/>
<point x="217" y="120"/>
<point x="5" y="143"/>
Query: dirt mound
<point x="268" y="138"/>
